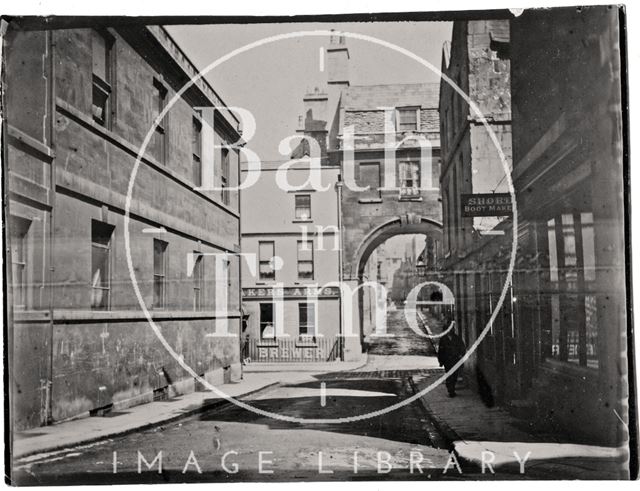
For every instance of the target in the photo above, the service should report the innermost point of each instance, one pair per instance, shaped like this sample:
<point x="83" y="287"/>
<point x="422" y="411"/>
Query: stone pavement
<point x="471" y="429"/>
<point x="399" y="339"/>
<point x="90" y="429"/>
<point x="319" y="367"/>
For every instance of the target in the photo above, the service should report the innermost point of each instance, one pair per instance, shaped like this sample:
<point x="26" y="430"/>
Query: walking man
<point x="450" y="350"/>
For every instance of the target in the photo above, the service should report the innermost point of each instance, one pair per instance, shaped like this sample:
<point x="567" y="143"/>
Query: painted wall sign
<point x="486" y="205"/>
<point x="290" y="292"/>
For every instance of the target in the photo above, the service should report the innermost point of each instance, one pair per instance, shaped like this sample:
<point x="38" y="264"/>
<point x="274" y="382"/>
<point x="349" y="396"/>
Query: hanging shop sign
<point x="486" y="205"/>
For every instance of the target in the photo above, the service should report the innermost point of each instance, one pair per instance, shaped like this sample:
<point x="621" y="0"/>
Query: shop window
<point x="572" y="305"/>
<point x="266" y="253"/>
<point x="588" y="244"/>
<point x="305" y="259"/>
<point x="590" y="300"/>
<point x="267" y="329"/>
<point x="101" y="234"/>
<point x="159" y="273"/>
<point x="306" y="319"/>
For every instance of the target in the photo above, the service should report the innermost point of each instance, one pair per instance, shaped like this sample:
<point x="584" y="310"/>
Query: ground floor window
<point x="572" y="304"/>
<point x="306" y="319"/>
<point x="19" y="260"/>
<point x="267" y="329"/>
<point x="159" y="273"/>
<point x="101" y="234"/>
<point x="198" y="281"/>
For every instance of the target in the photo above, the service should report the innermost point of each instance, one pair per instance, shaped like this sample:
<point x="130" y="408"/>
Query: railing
<point x="300" y="350"/>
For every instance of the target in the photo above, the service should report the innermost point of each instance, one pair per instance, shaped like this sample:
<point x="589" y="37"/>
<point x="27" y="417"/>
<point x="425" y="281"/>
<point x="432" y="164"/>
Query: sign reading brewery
<point x="290" y="292"/>
<point x="486" y="205"/>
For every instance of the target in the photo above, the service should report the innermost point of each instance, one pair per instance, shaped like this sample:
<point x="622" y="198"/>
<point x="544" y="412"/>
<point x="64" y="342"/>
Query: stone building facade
<point x="290" y="292"/>
<point x="476" y="61"/>
<point x="79" y="105"/>
<point x="556" y="350"/>
<point x="362" y="127"/>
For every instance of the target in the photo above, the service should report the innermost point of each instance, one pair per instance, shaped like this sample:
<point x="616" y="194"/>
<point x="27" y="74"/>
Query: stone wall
<point x="67" y="358"/>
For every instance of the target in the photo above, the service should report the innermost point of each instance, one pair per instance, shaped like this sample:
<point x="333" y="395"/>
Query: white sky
<point x="270" y="80"/>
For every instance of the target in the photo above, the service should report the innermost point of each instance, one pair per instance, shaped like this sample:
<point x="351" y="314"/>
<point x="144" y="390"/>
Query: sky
<point x="270" y="80"/>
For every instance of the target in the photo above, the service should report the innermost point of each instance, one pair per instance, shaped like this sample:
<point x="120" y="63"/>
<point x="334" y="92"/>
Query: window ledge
<point x="137" y="315"/>
<point x="300" y="220"/>
<point x="412" y="198"/>
<point x="26" y="315"/>
<point x="370" y="200"/>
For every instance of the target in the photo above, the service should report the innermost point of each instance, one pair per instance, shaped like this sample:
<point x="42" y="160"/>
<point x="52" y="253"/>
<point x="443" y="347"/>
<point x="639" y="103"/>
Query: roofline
<point x="194" y="67"/>
<point x="395" y="85"/>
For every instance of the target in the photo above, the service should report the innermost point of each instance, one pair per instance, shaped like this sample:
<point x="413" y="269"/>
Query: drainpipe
<point x="338" y="187"/>
<point x="52" y="132"/>
<point x="7" y="284"/>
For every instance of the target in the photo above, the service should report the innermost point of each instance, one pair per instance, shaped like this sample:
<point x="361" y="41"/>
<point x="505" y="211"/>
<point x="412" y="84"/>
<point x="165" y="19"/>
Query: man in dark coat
<point x="450" y="350"/>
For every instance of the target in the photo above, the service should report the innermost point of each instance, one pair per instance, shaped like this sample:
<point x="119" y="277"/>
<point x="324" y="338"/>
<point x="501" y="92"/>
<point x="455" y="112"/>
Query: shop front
<point x="292" y="324"/>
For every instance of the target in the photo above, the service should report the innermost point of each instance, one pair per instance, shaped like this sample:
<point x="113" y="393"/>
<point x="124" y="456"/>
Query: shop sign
<point x="486" y="205"/>
<point x="290" y="292"/>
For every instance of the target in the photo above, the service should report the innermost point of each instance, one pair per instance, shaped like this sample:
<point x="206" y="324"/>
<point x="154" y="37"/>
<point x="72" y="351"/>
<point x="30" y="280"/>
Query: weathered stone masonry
<point x="66" y="172"/>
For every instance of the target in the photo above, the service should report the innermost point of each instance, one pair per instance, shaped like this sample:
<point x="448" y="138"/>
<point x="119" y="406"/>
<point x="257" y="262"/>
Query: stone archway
<point x="406" y="224"/>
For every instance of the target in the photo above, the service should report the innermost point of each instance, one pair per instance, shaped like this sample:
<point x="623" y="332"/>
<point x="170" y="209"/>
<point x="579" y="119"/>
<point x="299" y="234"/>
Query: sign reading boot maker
<point x="486" y="205"/>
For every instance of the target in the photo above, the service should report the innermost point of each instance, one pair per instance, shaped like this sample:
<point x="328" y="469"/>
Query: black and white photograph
<point x="366" y="246"/>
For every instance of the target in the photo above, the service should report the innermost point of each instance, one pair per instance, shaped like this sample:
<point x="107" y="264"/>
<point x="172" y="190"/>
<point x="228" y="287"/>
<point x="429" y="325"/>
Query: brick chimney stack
<point x="338" y="61"/>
